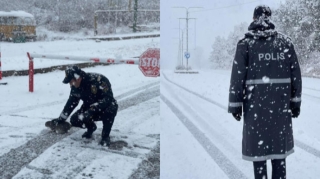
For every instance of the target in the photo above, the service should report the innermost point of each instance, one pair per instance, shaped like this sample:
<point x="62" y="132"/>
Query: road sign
<point x="187" y="55"/>
<point x="149" y="62"/>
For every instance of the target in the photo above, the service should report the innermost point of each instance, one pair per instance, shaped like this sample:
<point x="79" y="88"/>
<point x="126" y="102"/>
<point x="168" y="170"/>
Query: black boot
<point x="278" y="168"/>
<point x="91" y="127"/>
<point x="105" y="139"/>
<point x="260" y="170"/>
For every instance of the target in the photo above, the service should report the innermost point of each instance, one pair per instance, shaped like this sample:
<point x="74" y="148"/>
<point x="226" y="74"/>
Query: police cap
<point x="72" y="72"/>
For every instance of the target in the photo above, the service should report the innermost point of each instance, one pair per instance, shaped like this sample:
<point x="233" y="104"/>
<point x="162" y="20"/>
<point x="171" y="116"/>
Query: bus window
<point x="28" y="21"/>
<point x="17" y="21"/>
<point x="14" y="20"/>
<point x="10" y="21"/>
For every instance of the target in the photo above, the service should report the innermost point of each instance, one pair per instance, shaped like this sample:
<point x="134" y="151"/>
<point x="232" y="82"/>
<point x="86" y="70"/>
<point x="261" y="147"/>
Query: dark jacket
<point x="266" y="84"/>
<point x="95" y="92"/>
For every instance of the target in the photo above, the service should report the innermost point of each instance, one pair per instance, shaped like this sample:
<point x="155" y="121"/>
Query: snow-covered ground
<point x="199" y="139"/>
<point x="26" y="142"/>
<point x="14" y="55"/>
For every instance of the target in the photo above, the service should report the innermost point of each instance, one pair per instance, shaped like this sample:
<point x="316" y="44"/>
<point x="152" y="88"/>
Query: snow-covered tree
<point x="223" y="50"/>
<point x="66" y="15"/>
<point x="300" y="21"/>
<point x="219" y="55"/>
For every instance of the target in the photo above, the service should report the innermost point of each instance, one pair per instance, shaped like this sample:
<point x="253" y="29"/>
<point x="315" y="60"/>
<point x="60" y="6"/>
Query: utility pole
<point x="129" y="6"/>
<point x="181" y="40"/>
<point x="187" y="26"/>
<point x="95" y="24"/>
<point x="115" y="22"/>
<point x="182" y="48"/>
<point x="180" y="51"/>
<point x="135" y="14"/>
<point x="178" y="59"/>
<point x="195" y="34"/>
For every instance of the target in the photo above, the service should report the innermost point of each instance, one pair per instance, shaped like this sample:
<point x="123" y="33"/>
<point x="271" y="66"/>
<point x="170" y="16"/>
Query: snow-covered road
<point x="199" y="136"/>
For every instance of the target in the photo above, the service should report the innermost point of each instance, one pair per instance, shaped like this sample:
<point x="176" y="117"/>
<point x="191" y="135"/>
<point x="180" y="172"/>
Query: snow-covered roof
<point x="15" y="14"/>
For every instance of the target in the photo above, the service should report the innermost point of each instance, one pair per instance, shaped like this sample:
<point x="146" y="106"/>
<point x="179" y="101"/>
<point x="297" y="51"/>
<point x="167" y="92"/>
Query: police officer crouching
<point x="98" y="104"/>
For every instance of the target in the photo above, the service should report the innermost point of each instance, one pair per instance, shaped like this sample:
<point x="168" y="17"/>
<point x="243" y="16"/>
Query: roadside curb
<point x="124" y="37"/>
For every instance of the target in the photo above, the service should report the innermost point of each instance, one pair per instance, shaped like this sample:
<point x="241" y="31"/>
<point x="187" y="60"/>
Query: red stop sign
<point x="149" y="62"/>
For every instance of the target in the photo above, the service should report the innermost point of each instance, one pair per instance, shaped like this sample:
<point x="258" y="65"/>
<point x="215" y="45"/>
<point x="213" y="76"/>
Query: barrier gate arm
<point x="73" y="58"/>
<point x="149" y="62"/>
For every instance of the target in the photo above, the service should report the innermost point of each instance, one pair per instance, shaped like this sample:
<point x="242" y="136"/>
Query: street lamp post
<point x="187" y="20"/>
<point x="181" y="43"/>
<point x="195" y="34"/>
<point x="182" y="48"/>
<point x="178" y="59"/>
<point x="180" y="52"/>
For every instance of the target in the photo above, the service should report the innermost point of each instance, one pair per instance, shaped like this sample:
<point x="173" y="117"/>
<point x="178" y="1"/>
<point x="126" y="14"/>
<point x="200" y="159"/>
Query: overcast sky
<point x="216" y="17"/>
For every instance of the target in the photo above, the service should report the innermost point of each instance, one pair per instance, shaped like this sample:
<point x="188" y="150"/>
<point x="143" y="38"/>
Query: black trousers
<point x="278" y="169"/>
<point x="107" y="117"/>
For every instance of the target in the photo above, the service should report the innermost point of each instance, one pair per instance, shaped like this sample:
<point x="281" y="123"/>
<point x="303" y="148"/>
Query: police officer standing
<point x="98" y="103"/>
<point x="266" y="85"/>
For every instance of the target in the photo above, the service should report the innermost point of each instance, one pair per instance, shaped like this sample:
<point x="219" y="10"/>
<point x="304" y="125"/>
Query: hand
<point x="237" y="116"/>
<point x="295" y="112"/>
<point x="57" y="121"/>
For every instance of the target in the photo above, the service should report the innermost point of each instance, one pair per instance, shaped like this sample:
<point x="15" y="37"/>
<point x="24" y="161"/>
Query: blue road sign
<point x="187" y="55"/>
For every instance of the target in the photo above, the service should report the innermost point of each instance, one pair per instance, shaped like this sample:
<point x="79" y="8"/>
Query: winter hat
<point x="71" y="73"/>
<point x="262" y="11"/>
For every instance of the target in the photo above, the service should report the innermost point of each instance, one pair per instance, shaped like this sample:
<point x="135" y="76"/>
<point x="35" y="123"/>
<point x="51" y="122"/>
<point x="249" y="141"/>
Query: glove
<point x="237" y="116"/>
<point x="57" y="121"/>
<point x="295" y="112"/>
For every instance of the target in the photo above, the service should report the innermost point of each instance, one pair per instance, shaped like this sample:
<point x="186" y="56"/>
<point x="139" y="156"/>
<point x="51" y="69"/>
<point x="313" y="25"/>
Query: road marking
<point x="222" y="161"/>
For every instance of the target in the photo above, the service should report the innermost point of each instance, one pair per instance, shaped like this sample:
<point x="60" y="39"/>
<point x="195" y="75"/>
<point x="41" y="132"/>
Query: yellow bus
<point x="17" y="26"/>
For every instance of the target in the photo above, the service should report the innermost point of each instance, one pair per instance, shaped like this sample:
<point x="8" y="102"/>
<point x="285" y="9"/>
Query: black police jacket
<point x="266" y="84"/>
<point x="95" y="92"/>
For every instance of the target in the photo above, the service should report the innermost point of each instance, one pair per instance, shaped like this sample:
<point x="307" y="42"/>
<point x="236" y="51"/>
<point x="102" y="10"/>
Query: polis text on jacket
<point x="271" y="56"/>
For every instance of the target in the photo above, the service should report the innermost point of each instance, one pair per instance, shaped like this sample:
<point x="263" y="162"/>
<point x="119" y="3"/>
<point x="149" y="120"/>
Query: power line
<point x="225" y="7"/>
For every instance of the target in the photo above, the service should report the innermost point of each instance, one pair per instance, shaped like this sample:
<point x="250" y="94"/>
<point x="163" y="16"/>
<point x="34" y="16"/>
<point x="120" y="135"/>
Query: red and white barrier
<point x="0" y="67"/>
<point x="1" y="82"/>
<point x="73" y="58"/>
<point x="149" y="62"/>
<point x="86" y="59"/>
<point x="31" y="72"/>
